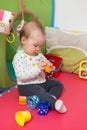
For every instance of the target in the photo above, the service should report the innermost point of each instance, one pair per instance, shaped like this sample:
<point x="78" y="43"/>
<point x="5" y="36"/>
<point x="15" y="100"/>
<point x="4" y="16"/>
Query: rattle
<point x="83" y="69"/>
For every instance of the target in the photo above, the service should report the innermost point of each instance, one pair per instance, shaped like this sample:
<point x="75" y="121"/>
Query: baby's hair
<point x="29" y="26"/>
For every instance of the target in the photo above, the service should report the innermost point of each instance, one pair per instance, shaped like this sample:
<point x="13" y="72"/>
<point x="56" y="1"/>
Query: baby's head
<point x="32" y="36"/>
<point x="31" y="26"/>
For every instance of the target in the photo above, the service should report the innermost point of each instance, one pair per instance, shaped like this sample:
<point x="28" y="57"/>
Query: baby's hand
<point x="48" y="63"/>
<point x="41" y="64"/>
<point x="44" y="63"/>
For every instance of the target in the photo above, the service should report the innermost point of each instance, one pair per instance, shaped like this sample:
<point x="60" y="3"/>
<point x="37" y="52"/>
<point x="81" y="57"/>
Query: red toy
<point x="57" y="62"/>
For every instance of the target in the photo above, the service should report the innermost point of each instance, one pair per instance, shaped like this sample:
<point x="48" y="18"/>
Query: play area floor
<point x="74" y="97"/>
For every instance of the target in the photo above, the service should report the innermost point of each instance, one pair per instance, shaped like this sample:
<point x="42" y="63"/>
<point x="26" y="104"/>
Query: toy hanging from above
<point x="6" y="19"/>
<point x="19" y="27"/>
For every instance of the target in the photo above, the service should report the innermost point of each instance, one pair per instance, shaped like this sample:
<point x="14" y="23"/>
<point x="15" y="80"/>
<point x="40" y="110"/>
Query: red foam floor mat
<point x="74" y="97"/>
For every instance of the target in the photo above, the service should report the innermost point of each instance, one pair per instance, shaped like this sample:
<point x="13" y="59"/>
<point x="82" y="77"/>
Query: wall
<point x="71" y="14"/>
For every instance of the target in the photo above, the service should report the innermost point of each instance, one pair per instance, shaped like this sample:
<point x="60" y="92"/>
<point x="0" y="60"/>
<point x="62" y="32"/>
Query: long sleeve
<point x="26" y="67"/>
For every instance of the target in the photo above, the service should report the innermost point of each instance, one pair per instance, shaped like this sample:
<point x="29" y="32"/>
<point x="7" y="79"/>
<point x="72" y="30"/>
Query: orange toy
<point x="47" y="69"/>
<point x="22" y="100"/>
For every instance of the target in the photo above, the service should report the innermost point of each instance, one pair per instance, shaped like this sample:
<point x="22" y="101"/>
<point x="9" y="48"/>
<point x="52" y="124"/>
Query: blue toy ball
<point x="43" y="108"/>
<point x="32" y="101"/>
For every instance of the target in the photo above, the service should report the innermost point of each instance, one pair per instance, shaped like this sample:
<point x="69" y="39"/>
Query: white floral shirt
<point x="26" y="67"/>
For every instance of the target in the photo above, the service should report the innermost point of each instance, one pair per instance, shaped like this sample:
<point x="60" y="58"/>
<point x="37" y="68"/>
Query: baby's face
<point x="34" y="43"/>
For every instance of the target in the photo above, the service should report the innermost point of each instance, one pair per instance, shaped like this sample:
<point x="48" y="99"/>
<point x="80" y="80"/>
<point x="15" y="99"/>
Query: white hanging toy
<point x="6" y="18"/>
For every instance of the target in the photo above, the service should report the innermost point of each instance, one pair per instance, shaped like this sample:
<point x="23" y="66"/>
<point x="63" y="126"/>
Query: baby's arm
<point x="24" y="70"/>
<point x="45" y="62"/>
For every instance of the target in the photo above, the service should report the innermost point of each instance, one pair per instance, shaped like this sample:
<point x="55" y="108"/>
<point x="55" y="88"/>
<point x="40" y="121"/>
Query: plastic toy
<point x="22" y="117"/>
<point x="10" y="38"/>
<point x="57" y="63"/>
<point x="43" y="108"/>
<point x="22" y="100"/>
<point x="6" y="18"/>
<point x="47" y="69"/>
<point x="83" y="69"/>
<point x="32" y="101"/>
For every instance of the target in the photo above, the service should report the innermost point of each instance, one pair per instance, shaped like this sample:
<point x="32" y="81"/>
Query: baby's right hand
<point x="42" y="64"/>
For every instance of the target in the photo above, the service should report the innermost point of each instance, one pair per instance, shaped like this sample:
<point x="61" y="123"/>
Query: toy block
<point x="22" y="100"/>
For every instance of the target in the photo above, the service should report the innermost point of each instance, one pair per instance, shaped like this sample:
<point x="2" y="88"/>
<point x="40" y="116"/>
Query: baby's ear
<point x="23" y="40"/>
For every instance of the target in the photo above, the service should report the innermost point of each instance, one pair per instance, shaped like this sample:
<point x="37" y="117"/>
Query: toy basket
<point x="57" y="62"/>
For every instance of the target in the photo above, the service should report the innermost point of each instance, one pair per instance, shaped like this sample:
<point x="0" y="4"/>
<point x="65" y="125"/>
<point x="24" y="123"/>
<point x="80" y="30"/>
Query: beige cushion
<point x="72" y="47"/>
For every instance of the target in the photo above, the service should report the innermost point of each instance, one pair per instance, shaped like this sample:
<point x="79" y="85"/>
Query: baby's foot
<point x="60" y="107"/>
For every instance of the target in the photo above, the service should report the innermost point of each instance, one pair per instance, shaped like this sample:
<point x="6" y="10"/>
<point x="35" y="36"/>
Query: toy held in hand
<point x="48" y="69"/>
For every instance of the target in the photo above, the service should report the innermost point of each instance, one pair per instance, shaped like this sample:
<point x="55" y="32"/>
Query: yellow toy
<point x="83" y="69"/>
<point x="22" y="117"/>
<point x="10" y="38"/>
<point x="22" y="100"/>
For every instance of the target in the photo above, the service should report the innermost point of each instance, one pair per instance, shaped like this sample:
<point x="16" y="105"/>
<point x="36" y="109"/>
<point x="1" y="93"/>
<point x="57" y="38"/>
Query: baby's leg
<point x="54" y="87"/>
<point x="33" y="89"/>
